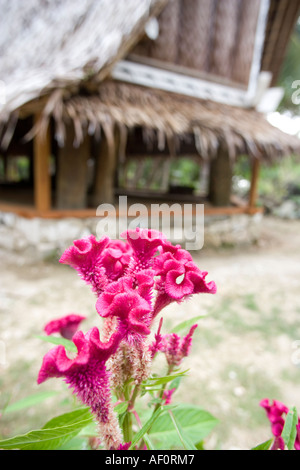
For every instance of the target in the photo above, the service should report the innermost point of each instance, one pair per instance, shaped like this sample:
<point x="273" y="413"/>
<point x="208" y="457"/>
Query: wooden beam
<point x="31" y="212"/>
<point x="254" y="183"/>
<point x="41" y="169"/>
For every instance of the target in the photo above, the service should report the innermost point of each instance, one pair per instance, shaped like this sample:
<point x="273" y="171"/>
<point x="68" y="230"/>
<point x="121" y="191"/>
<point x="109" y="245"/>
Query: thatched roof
<point x="169" y="115"/>
<point x="48" y="44"/>
<point x="50" y="50"/>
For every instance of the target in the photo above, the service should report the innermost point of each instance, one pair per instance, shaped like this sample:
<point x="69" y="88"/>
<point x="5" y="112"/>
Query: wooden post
<point x="106" y="161"/>
<point x="41" y="170"/>
<point x="72" y="172"/>
<point x="5" y="164"/>
<point x="220" y="179"/>
<point x="254" y="183"/>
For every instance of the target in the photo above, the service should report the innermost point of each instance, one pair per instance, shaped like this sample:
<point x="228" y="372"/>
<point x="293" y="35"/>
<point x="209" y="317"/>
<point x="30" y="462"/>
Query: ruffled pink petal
<point x="200" y="285"/>
<point x="90" y="349"/>
<point x="85" y="256"/>
<point x="132" y="310"/>
<point x="145" y="243"/>
<point x="176" y="288"/>
<point x="145" y="285"/>
<point x="116" y="258"/>
<point x="65" y="326"/>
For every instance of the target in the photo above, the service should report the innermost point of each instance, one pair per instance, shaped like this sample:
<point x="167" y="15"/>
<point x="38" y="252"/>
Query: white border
<point x="154" y="77"/>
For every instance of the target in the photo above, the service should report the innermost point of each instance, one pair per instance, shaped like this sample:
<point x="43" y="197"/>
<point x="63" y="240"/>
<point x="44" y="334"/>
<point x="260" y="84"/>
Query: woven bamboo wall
<point x="211" y="36"/>
<point x="282" y="18"/>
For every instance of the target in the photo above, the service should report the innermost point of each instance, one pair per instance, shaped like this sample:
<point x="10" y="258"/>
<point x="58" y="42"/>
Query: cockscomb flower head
<point x="66" y="326"/>
<point x="167" y="395"/>
<point x="157" y="344"/>
<point x="297" y="441"/>
<point x="88" y="377"/>
<point x="276" y="413"/>
<point x="179" y="277"/>
<point x="132" y="310"/>
<point x="145" y="244"/>
<point x="98" y="262"/>
<point x="133" y="280"/>
<point x="175" y="347"/>
<point x="85" y="257"/>
<point x="116" y="258"/>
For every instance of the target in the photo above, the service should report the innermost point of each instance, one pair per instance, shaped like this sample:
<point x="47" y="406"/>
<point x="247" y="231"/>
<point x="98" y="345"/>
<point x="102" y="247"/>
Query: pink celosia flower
<point x="98" y="262"/>
<point x="167" y="395"/>
<point x="275" y="413"/>
<point x="176" y="348"/>
<point x="65" y="326"/>
<point x="133" y="280"/>
<point x="145" y="244"/>
<point x="179" y="277"/>
<point x="128" y="305"/>
<point x="133" y="318"/>
<point x="124" y="446"/>
<point x="158" y="341"/>
<point x="115" y="259"/>
<point x="297" y="442"/>
<point x="88" y="377"/>
<point x="85" y="256"/>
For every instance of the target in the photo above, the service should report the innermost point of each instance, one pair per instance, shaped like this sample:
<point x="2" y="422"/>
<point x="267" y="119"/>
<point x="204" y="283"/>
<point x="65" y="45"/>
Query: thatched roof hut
<point x="50" y="45"/>
<point x="80" y="71"/>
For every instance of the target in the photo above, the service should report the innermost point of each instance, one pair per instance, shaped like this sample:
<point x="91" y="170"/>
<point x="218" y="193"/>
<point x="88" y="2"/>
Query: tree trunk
<point x="105" y="167"/>
<point x="220" y="179"/>
<point x="72" y="173"/>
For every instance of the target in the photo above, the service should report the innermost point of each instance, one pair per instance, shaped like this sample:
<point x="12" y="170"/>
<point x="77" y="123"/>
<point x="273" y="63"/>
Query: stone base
<point x="232" y="230"/>
<point x="44" y="238"/>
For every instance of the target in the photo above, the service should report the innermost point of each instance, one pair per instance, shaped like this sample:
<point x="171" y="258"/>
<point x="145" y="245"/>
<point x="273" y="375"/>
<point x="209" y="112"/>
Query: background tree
<point x="291" y="72"/>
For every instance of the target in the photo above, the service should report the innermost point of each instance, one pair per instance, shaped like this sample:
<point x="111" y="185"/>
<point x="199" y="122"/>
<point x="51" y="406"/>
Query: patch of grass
<point x="291" y="375"/>
<point x="241" y="314"/>
<point x="250" y="302"/>
<point x="208" y="338"/>
<point x="254" y="386"/>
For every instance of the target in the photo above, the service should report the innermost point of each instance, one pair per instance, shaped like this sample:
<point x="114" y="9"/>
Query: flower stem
<point x="161" y="393"/>
<point x="127" y="422"/>
<point x="133" y="397"/>
<point x="127" y="427"/>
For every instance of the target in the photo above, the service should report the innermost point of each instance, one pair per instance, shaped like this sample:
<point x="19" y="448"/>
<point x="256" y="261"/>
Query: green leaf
<point x="154" y="382"/>
<point x="121" y="410"/>
<point x="185" y="440"/>
<point x="69" y="345"/>
<point x="29" y="401"/>
<point x="139" y="435"/>
<point x="289" y="432"/>
<point x="195" y="423"/>
<point x="264" y="446"/>
<point x="186" y="325"/>
<point x="70" y="418"/>
<point x="77" y="443"/>
<point x="57" y="432"/>
<point x="121" y="407"/>
<point x="89" y="431"/>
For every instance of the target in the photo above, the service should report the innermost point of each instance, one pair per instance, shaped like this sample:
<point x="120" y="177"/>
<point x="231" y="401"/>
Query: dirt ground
<point x="245" y="348"/>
